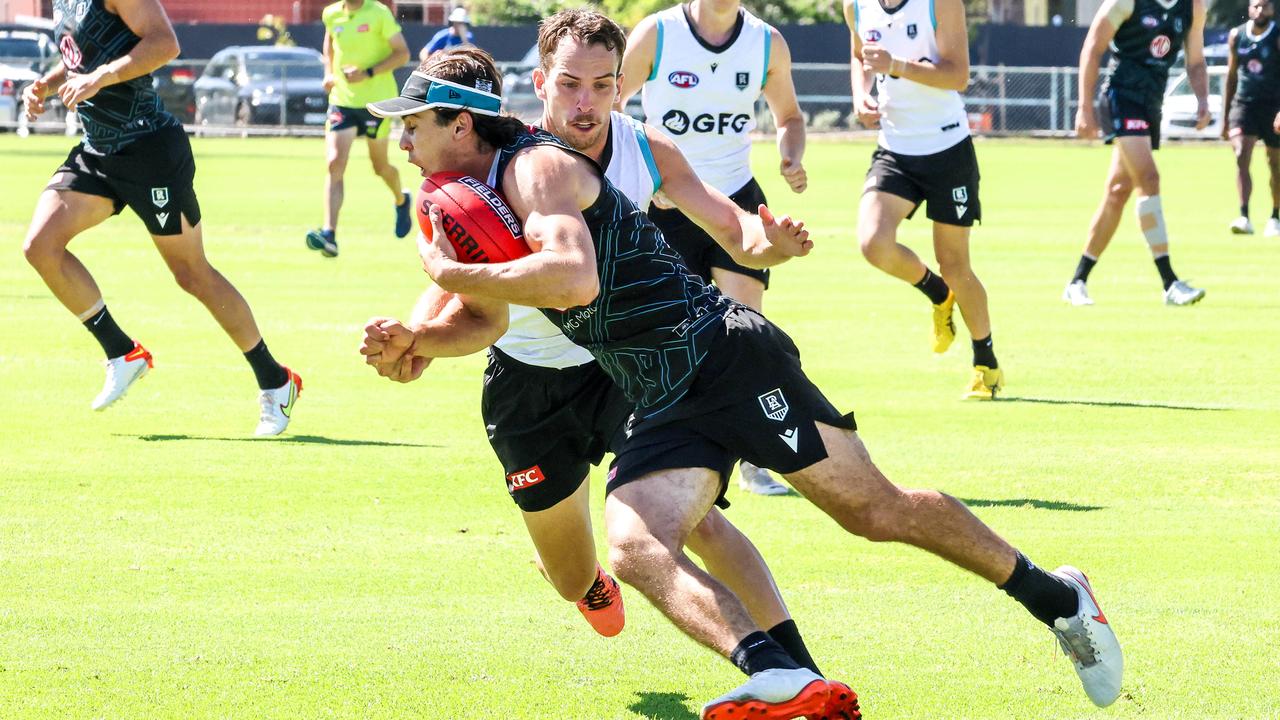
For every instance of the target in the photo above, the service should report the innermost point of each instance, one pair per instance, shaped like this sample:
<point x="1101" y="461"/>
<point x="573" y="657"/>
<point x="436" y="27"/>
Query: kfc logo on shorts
<point x="1160" y="46"/>
<point x="774" y="405"/>
<point x="71" y="55"/>
<point x="524" y="479"/>
<point x="873" y="36"/>
<point x="1254" y="67"/>
<point x="1136" y="124"/>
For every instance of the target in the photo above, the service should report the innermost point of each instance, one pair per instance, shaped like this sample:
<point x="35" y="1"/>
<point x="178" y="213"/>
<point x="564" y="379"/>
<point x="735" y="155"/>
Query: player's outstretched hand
<point x="793" y="172"/>
<point x="33" y="96"/>
<point x="436" y="252"/>
<point x="388" y="346"/>
<point x="1086" y="125"/>
<point x="785" y="234"/>
<point x="78" y="88"/>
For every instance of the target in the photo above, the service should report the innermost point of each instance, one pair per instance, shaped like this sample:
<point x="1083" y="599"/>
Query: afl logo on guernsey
<point x="1150" y="21"/>
<point x="682" y="79"/>
<point x="71" y="55"/>
<point x="873" y="36"/>
<point x="1160" y="46"/>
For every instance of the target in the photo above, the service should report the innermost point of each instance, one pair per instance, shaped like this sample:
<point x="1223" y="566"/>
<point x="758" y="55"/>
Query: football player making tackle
<point x="134" y="153"/>
<point x="711" y="381"/>
<point x="549" y="408"/>
<point x="700" y="68"/>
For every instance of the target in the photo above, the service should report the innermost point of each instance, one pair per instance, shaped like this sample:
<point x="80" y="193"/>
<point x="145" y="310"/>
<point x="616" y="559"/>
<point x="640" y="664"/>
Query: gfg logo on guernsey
<point x="524" y="479"/>
<point x="682" y="79"/>
<point x="677" y="122"/>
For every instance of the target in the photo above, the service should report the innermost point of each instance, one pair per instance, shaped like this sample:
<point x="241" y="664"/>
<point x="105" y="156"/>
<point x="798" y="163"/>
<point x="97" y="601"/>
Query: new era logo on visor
<point x="523" y="479"/>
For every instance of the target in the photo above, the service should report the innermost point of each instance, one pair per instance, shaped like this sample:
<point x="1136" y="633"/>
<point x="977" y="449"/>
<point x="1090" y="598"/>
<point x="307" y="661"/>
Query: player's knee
<point x="1118" y="191"/>
<point x="876" y="247"/>
<point x="632" y="555"/>
<point x="953" y="269"/>
<point x="42" y="250"/>
<point x="337" y="166"/>
<point x="193" y="280"/>
<point x="877" y="520"/>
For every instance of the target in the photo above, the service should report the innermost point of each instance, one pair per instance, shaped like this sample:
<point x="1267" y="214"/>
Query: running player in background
<point x="1252" y="102"/>
<point x="363" y="45"/>
<point x="134" y="153"/>
<point x="1144" y="37"/>
<point x="702" y="66"/>
<point x="917" y="55"/>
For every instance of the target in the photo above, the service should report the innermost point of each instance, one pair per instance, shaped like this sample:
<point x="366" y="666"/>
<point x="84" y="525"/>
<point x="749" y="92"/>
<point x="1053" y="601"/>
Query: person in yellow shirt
<point x="362" y="46"/>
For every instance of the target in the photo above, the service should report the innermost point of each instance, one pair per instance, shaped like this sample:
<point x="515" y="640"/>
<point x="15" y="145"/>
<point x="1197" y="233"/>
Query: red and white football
<point x="477" y="221"/>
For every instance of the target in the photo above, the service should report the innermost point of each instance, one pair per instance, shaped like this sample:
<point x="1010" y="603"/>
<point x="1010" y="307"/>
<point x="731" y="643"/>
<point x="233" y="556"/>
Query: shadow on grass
<point x="662" y="706"/>
<point x="1112" y="403"/>
<point x="1028" y="502"/>
<point x="295" y="439"/>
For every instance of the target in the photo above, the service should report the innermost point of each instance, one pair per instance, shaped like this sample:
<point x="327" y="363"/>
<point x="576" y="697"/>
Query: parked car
<point x="262" y="85"/>
<point x="175" y="83"/>
<point x="26" y="52"/>
<point x="1179" y="111"/>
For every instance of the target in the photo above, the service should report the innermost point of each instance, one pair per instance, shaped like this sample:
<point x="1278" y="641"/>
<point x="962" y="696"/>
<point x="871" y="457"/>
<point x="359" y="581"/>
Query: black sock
<point x="1275" y="213"/>
<point x="1084" y="268"/>
<point x="1244" y="211"/>
<point x="984" y="353"/>
<point x="1045" y="596"/>
<point x="270" y="373"/>
<point x="787" y="635"/>
<point x="933" y="287"/>
<point x="758" y="651"/>
<point x="108" y="334"/>
<point x="1165" y="266"/>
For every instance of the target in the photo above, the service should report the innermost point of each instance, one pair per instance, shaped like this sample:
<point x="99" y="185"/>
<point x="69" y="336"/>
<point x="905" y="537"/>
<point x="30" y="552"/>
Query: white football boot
<point x="122" y="372"/>
<point x="772" y="695"/>
<point x="1087" y="638"/>
<point x="1241" y="226"/>
<point x="1180" y="293"/>
<point x="758" y="481"/>
<point x="277" y="405"/>
<point x="1273" y="228"/>
<point x="1077" y="294"/>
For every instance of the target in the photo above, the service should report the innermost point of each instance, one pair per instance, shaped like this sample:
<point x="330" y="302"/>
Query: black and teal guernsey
<point x="1258" y="65"/>
<point x="89" y="37"/>
<point x="653" y="321"/>
<point x="1145" y="47"/>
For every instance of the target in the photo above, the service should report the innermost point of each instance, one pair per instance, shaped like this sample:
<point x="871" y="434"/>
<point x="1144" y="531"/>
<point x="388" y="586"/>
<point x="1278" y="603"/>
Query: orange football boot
<point x="602" y="605"/>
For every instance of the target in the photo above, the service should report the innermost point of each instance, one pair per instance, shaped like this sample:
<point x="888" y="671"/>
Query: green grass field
<point x="155" y="561"/>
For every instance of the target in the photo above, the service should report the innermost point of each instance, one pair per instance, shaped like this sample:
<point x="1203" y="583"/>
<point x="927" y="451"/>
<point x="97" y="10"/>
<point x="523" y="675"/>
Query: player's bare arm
<point x="950" y="72"/>
<point x="780" y="94"/>
<point x="157" y="45"/>
<point x="1197" y="71"/>
<point x="860" y="80"/>
<point x="1229" y="90"/>
<point x="399" y="55"/>
<point x="442" y="325"/>
<point x="548" y="189"/>
<point x="326" y="51"/>
<point x="755" y="241"/>
<point x="1101" y="31"/>
<point x="637" y="61"/>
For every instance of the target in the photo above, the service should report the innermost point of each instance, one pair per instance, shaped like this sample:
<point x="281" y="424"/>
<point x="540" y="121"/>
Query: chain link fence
<point x="248" y="97"/>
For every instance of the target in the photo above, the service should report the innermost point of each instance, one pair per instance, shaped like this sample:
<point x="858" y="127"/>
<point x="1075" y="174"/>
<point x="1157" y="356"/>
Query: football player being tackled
<point x="551" y="411"/>
<point x="711" y="381"/>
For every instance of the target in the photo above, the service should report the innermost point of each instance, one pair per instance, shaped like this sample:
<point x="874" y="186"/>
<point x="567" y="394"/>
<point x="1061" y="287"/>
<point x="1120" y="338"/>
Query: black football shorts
<point x="946" y="181"/>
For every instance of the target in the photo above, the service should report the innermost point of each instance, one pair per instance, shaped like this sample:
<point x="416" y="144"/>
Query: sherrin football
<point x="476" y="220"/>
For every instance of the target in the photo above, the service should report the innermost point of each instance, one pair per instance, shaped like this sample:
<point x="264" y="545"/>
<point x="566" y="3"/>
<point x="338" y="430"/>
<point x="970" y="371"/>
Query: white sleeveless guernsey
<point x="704" y="98"/>
<point x="915" y="119"/>
<point x="533" y="339"/>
